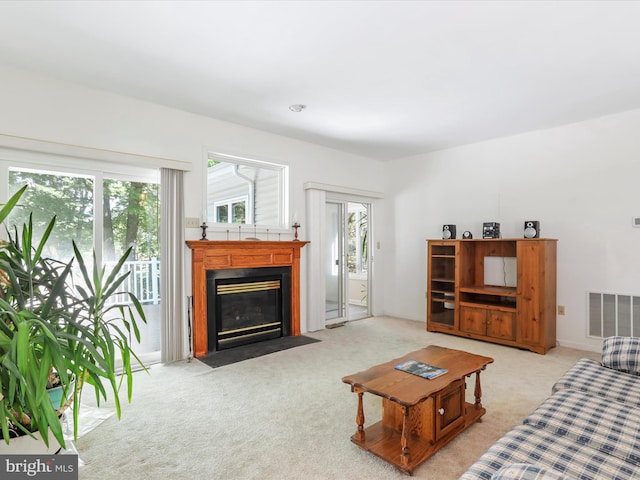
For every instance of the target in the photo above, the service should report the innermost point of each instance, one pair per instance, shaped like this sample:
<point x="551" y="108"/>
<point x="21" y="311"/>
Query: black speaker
<point x="467" y="234"/>
<point x="490" y="230"/>
<point x="531" y="229"/>
<point x="448" y="232"/>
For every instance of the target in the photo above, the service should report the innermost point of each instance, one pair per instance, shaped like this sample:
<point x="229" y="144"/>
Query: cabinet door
<point x="531" y="287"/>
<point x="441" y="285"/>
<point x="450" y="408"/>
<point x="473" y="320"/>
<point x="500" y="324"/>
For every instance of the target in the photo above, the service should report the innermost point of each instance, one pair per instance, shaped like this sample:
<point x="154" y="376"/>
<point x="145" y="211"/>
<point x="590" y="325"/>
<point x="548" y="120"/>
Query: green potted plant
<point x="57" y="328"/>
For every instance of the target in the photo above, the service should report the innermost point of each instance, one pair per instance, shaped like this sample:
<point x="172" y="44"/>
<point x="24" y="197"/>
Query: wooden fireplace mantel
<point x="226" y="254"/>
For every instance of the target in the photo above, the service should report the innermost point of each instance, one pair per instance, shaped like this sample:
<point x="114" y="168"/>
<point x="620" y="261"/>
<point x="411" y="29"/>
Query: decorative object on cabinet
<point x="448" y="232"/>
<point x="490" y="230"/>
<point x="497" y="290"/>
<point x="532" y="229"/>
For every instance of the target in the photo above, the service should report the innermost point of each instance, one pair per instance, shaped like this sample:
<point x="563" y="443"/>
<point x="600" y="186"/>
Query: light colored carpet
<point x="288" y="415"/>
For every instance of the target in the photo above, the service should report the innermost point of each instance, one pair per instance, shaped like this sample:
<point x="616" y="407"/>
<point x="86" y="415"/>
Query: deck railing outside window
<point x="143" y="282"/>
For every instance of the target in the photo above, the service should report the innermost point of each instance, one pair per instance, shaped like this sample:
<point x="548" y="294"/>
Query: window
<point x="67" y="197"/>
<point x="243" y="191"/>
<point x="357" y="260"/>
<point x="237" y="207"/>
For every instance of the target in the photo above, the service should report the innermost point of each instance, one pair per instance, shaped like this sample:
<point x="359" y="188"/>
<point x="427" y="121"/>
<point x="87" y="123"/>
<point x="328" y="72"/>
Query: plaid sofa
<point x="589" y="428"/>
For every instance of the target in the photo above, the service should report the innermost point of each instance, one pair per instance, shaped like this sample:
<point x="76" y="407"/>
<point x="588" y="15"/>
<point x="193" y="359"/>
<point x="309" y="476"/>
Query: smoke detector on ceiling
<point x="297" y="107"/>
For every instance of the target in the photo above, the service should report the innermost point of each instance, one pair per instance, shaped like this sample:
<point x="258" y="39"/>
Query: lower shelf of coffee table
<point x="385" y="441"/>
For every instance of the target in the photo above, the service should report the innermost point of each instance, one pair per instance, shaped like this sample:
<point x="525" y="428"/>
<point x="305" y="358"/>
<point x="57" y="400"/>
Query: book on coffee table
<point x="423" y="370"/>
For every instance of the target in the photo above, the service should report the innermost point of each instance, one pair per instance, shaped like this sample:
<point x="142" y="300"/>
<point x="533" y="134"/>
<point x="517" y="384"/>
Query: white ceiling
<point x="383" y="79"/>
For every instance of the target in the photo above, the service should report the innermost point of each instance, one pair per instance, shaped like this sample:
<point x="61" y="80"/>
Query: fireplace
<point x="247" y="305"/>
<point x="231" y="259"/>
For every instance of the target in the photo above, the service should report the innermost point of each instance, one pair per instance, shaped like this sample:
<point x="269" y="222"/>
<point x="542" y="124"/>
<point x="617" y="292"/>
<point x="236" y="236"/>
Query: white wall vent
<point x="613" y="314"/>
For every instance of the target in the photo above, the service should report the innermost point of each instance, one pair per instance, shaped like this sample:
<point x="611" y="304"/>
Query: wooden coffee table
<point x="419" y="416"/>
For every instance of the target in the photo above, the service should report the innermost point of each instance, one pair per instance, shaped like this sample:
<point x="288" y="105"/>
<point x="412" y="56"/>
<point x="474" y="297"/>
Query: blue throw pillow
<point x="527" y="471"/>
<point x="622" y="353"/>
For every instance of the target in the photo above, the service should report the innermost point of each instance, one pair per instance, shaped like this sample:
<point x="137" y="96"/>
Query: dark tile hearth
<point x="245" y="352"/>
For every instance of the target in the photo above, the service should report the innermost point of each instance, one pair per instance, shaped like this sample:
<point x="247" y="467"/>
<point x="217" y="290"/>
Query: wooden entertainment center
<point x="460" y="302"/>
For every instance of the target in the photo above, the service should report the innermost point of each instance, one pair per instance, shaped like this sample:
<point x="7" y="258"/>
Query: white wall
<point x="580" y="181"/>
<point x="56" y="111"/>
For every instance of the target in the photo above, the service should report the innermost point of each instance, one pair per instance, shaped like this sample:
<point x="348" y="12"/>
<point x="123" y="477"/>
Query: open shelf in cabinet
<point x="490" y="304"/>
<point x="448" y="251"/>
<point x="489" y="296"/>
<point x="490" y="290"/>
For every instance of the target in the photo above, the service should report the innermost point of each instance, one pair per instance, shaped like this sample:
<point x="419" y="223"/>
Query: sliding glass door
<point x="347" y="256"/>
<point x="106" y="213"/>
<point x="131" y="219"/>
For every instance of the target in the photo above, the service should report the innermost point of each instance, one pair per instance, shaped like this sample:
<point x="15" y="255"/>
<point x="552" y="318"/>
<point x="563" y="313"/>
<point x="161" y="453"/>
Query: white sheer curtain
<point x="173" y="304"/>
